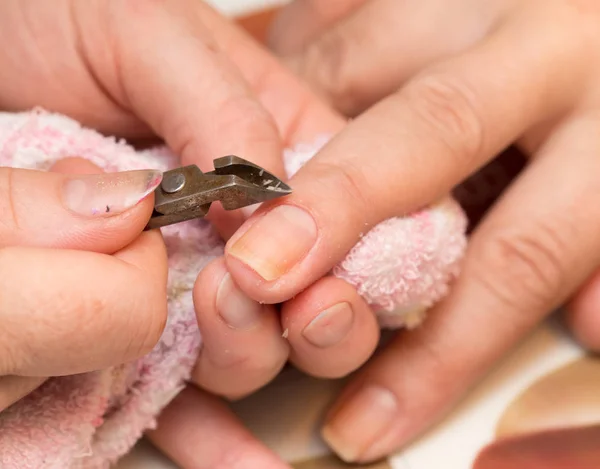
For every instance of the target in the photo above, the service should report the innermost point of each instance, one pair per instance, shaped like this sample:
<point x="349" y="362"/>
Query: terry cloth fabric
<point x="88" y="421"/>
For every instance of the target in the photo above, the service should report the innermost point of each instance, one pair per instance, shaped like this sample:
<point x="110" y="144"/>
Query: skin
<point x="229" y="96"/>
<point x="449" y="105"/>
<point x="88" y="262"/>
<point x="448" y="86"/>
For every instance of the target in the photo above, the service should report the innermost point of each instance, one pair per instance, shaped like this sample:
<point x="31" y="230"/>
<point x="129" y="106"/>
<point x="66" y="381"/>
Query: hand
<point x="455" y="85"/>
<point x="143" y="70"/>
<point x="75" y="269"/>
<point x="237" y="359"/>
<point x="179" y="72"/>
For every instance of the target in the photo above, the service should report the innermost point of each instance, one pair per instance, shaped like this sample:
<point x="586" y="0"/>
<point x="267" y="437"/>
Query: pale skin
<point x="443" y="86"/>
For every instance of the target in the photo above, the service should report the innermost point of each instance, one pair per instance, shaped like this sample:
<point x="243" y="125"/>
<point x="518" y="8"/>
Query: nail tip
<point x="108" y="194"/>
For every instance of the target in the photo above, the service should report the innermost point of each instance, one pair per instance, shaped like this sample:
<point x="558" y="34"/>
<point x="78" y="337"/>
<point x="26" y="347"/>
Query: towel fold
<point x="88" y="421"/>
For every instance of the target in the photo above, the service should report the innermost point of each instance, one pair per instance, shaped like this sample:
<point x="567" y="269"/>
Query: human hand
<point x="76" y="269"/>
<point x="234" y="361"/>
<point x="472" y="79"/>
<point x="143" y="70"/>
<point x="147" y="69"/>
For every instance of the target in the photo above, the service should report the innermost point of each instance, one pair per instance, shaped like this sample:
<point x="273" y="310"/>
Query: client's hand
<point x="454" y="84"/>
<point x="81" y="287"/>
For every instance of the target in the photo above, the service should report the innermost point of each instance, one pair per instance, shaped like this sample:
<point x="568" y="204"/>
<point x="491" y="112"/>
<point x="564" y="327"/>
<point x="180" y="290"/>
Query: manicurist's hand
<point x="140" y="70"/>
<point x="443" y="88"/>
<point x="179" y="72"/>
<point x="81" y="286"/>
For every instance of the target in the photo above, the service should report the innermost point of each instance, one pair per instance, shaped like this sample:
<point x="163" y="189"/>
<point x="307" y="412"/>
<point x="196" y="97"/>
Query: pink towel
<point x="401" y="267"/>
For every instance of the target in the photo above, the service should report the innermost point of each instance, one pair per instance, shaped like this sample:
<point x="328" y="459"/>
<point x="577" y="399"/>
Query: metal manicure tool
<point x="187" y="193"/>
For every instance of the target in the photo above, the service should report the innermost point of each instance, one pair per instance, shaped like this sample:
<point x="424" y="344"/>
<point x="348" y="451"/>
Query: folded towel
<point x="401" y="267"/>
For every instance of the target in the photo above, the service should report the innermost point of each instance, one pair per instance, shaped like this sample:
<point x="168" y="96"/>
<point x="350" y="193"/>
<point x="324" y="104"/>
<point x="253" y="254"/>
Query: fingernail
<point x="330" y="326"/>
<point x="358" y="424"/>
<point x="108" y="194"/>
<point x="276" y="242"/>
<point x="237" y="310"/>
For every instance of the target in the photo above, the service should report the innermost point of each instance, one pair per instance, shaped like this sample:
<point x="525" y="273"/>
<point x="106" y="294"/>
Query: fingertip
<point x="104" y="234"/>
<point x="218" y="436"/>
<point x="331" y="330"/>
<point x="243" y="347"/>
<point x="264" y="254"/>
<point x="76" y="165"/>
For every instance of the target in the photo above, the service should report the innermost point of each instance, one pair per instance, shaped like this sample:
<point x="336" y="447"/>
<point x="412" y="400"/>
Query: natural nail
<point x="330" y="326"/>
<point x="276" y="242"/>
<point x="108" y="194"/>
<point x="360" y="422"/>
<point x="236" y="309"/>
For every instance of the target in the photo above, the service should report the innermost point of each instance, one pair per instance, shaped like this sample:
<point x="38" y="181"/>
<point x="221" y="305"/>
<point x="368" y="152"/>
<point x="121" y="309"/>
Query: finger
<point x="242" y="347"/>
<point x="454" y="118"/>
<point x="206" y="109"/>
<point x="341" y="65"/>
<point x="302" y="20"/>
<point x="14" y="388"/>
<point x="524" y="260"/>
<point x="67" y="311"/>
<point x="96" y="212"/>
<point x="583" y="313"/>
<point x="167" y="70"/>
<point x="331" y="329"/>
<point x="299" y="116"/>
<point x="197" y="431"/>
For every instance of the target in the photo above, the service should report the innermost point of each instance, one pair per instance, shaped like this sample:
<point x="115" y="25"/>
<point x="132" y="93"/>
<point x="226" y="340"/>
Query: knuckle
<point x="348" y="183"/>
<point x="524" y="270"/>
<point x="447" y="108"/>
<point x="254" y="128"/>
<point x="250" y="119"/>
<point x="325" y="64"/>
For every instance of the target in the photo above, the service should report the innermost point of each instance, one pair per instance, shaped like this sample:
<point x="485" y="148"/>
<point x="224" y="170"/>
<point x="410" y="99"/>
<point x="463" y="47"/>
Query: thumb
<point x="85" y="210"/>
